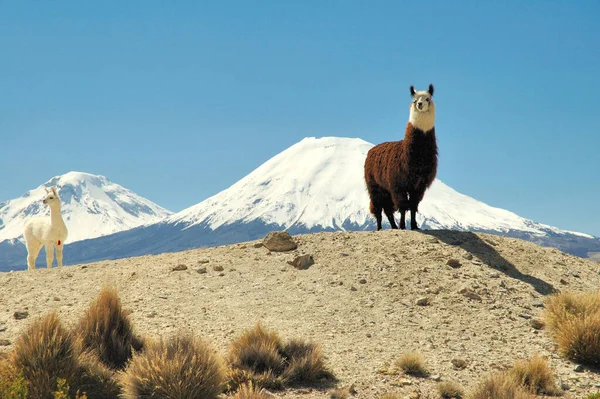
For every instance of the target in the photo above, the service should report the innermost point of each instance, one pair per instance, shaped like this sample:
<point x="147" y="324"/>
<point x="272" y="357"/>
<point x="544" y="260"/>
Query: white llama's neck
<point x="55" y="215"/>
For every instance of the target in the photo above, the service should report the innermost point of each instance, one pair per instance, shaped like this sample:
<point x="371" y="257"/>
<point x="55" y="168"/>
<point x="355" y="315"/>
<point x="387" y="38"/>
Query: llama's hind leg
<point x="49" y="255"/>
<point x="415" y="199"/>
<point x="376" y="211"/>
<point x="401" y="203"/>
<point x="33" y="250"/>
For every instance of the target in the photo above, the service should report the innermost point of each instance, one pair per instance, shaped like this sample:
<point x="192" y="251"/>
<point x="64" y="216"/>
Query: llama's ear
<point x="54" y="191"/>
<point x="47" y="191"/>
<point x="412" y="90"/>
<point x="430" y="89"/>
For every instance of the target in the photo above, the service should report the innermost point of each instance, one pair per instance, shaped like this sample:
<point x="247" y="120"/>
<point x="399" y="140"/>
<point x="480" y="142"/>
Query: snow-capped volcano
<point x="318" y="184"/>
<point x="92" y="206"/>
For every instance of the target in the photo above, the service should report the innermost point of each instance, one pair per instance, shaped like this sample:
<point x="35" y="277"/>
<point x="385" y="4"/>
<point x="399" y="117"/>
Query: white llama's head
<point x="422" y="108"/>
<point x="52" y="199"/>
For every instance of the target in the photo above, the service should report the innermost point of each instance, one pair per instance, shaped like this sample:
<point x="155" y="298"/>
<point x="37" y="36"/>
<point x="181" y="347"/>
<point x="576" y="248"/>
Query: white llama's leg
<point x="33" y="249"/>
<point x="49" y="255"/>
<point x="59" y="250"/>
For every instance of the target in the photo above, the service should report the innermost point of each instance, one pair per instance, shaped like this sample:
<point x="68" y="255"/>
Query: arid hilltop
<point x="466" y="301"/>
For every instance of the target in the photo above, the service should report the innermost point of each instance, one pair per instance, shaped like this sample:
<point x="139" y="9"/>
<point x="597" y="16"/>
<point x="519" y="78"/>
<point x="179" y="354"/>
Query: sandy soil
<point x="358" y="300"/>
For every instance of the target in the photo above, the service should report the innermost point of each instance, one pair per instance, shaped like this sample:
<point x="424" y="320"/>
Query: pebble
<point x="362" y="281"/>
<point x="20" y="315"/>
<point x="218" y="268"/>
<point x="424" y="301"/>
<point x="4" y="342"/>
<point x="526" y="316"/>
<point x="201" y="270"/>
<point x="454" y="263"/>
<point x="578" y="369"/>
<point x="179" y="268"/>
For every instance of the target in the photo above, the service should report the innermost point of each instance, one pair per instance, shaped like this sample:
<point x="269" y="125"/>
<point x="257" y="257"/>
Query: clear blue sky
<point x="178" y="100"/>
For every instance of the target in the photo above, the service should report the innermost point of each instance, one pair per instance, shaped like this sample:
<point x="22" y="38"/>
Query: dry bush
<point x="95" y="379"/>
<point x="259" y="356"/>
<point x="304" y="362"/>
<point x="45" y="353"/>
<point x="106" y="330"/>
<point x="249" y="391"/>
<point x="339" y="393"/>
<point x="573" y="319"/>
<point x="12" y="383"/>
<point x="535" y="376"/>
<point x="499" y="386"/>
<point x="412" y="363"/>
<point x="449" y="390"/>
<point x="183" y="367"/>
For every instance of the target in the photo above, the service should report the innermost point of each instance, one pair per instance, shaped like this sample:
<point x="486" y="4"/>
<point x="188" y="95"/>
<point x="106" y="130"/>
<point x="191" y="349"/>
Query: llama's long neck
<point x="56" y="216"/>
<point x="420" y="147"/>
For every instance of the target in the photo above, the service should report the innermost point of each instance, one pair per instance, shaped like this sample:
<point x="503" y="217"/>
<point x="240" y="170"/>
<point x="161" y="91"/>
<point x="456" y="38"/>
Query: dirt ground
<point x="359" y="301"/>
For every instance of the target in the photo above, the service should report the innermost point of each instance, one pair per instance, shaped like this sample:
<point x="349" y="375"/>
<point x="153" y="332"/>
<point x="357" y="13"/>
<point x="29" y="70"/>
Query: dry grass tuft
<point x="249" y="391"/>
<point x="106" y="330"/>
<point x="499" y="386"/>
<point x="412" y="363"/>
<point x="535" y="376"/>
<point x="304" y="362"/>
<point x="183" y="367"/>
<point x="95" y="379"/>
<point x="45" y="353"/>
<point x="259" y="356"/>
<point x="450" y="390"/>
<point x="573" y="319"/>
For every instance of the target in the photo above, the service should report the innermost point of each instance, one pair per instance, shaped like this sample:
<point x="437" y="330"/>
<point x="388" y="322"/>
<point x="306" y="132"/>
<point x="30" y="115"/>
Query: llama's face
<point x="51" y="198"/>
<point x="422" y="109"/>
<point x="422" y="101"/>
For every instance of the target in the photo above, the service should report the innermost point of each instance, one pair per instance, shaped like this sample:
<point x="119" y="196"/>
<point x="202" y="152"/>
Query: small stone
<point x="151" y="314"/>
<point x="302" y="262"/>
<point x="536" y="324"/>
<point x="343" y="254"/>
<point x="454" y="263"/>
<point x="526" y="316"/>
<point x="424" y="301"/>
<point x="218" y="268"/>
<point x="470" y="294"/>
<point x="201" y="270"/>
<point x="203" y="261"/>
<point x="369" y="335"/>
<point x="353" y="288"/>
<point x="20" y="315"/>
<point x="494" y="275"/>
<point x="279" y="241"/>
<point x="4" y="342"/>
<point x="575" y="274"/>
<point x="258" y="245"/>
<point x="179" y="268"/>
<point x="538" y="304"/>
<point x="436" y="377"/>
<point x="467" y="256"/>
<point x="362" y="281"/>
<point x="459" y="363"/>
<point x="405" y="382"/>
<point x="56" y="299"/>
<point x="2" y="328"/>
<point x="579" y="369"/>
<point x="563" y="281"/>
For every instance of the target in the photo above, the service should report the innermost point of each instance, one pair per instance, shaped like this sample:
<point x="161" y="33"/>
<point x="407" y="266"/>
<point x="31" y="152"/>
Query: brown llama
<point x="397" y="173"/>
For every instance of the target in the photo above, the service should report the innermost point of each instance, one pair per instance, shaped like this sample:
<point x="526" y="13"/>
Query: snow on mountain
<point x="92" y="206"/>
<point x="318" y="184"/>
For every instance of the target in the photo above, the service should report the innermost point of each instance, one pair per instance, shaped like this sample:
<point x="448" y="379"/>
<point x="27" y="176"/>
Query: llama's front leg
<point x="415" y="199"/>
<point x="376" y="211"/>
<point x="59" y="255"/>
<point x="49" y="255"/>
<point x="401" y="203"/>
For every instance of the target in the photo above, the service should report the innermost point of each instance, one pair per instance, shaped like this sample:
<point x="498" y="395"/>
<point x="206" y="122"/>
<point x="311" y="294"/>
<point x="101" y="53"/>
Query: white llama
<point x="49" y="232"/>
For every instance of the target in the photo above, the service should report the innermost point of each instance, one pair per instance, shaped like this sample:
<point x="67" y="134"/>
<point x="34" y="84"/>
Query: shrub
<point x="12" y="383"/>
<point x="573" y="319"/>
<point x="412" y="363"/>
<point x="95" y="379"/>
<point x="45" y="353"/>
<point x="448" y="390"/>
<point x="249" y="391"/>
<point x="106" y="330"/>
<point x="259" y="356"/>
<point x="499" y="386"/>
<point x="183" y="367"/>
<point x="535" y="376"/>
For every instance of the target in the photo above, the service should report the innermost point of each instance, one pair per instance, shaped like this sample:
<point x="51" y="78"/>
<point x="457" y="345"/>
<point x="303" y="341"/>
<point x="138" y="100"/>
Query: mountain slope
<point x="315" y="185"/>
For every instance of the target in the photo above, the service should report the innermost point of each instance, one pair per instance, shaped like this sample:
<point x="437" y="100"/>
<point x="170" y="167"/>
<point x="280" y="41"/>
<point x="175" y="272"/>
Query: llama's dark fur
<point x="397" y="173"/>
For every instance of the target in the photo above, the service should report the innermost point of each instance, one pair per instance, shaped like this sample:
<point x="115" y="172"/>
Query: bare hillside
<point x="359" y="300"/>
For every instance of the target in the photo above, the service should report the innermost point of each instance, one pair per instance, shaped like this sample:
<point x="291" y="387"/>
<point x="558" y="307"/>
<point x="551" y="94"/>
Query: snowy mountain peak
<point x="318" y="183"/>
<point x="92" y="206"/>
